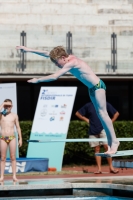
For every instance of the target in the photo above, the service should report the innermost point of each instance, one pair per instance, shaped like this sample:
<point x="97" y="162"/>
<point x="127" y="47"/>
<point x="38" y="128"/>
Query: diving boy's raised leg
<point x="99" y="101"/>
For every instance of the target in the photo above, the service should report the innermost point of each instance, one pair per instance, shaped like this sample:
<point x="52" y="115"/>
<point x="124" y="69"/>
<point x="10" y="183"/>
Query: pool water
<point x="71" y="198"/>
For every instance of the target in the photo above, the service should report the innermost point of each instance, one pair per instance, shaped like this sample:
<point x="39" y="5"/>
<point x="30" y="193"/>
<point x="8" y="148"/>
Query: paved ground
<point x="73" y="172"/>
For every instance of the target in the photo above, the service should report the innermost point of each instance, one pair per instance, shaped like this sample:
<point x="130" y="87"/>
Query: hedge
<point x="81" y="152"/>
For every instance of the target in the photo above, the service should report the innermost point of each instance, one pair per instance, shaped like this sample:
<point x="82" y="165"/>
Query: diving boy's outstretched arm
<point x="54" y="76"/>
<point x="39" y="52"/>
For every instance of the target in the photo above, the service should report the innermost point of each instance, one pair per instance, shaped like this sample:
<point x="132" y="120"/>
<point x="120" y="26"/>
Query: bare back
<point x="7" y="124"/>
<point x="83" y="72"/>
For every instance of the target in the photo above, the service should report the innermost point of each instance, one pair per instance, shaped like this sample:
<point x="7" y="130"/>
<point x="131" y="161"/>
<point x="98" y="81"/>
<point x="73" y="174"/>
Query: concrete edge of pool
<point x="112" y="186"/>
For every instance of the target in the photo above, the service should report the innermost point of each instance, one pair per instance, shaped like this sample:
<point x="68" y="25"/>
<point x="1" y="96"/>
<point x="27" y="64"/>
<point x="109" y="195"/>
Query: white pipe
<point x="81" y="140"/>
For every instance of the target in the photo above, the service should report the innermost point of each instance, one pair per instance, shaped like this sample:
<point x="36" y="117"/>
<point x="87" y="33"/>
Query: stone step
<point x="62" y="1"/>
<point x="102" y="41"/>
<point x="46" y="66"/>
<point x="114" y="6"/>
<point x="115" y="11"/>
<point x="130" y="1"/>
<point x="120" y="2"/>
<point x="120" y="22"/>
<point x="80" y="31"/>
<point x="122" y="54"/>
<point x="54" y="19"/>
<point x="71" y="20"/>
<point x="89" y="50"/>
<point x="39" y="30"/>
<point x="55" y="8"/>
<point x="48" y="1"/>
<point x="44" y="9"/>
<point x="48" y="41"/>
<point x="70" y="1"/>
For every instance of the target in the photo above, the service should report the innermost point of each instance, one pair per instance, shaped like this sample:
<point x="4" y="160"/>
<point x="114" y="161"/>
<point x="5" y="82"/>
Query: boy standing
<point x="96" y="87"/>
<point x="7" y="137"/>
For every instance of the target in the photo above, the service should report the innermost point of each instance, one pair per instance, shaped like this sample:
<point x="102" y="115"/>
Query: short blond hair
<point x="57" y="53"/>
<point x="8" y="100"/>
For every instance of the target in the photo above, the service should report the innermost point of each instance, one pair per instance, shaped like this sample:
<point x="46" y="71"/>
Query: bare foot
<point x="113" y="148"/>
<point x="108" y="148"/>
<point x="1" y="179"/>
<point x="15" y="179"/>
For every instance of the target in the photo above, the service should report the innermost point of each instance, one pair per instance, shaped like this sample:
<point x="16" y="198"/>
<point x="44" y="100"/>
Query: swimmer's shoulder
<point x="73" y="60"/>
<point x="14" y="115"/>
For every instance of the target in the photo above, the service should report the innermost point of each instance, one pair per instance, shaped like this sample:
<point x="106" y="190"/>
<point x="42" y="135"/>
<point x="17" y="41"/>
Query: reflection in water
<point x="9" y="183"/>
<point x="34" y="182"/>
<point x="113" y="181"/>
<point x="62" y="181"/>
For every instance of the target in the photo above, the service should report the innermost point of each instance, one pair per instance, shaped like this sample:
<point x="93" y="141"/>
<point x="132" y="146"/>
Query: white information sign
<point x="51" y="121"/>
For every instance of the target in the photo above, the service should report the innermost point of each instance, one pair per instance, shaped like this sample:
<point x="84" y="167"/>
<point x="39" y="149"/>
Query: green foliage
<point x="124" y="129"/>
<point x="25" y="129"/>
<point x="82" y="153"/>
<point x="78" y="152"/>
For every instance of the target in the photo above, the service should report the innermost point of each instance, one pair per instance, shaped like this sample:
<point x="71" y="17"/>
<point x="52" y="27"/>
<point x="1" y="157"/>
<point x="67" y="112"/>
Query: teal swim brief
<point x="100" y="85"/>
